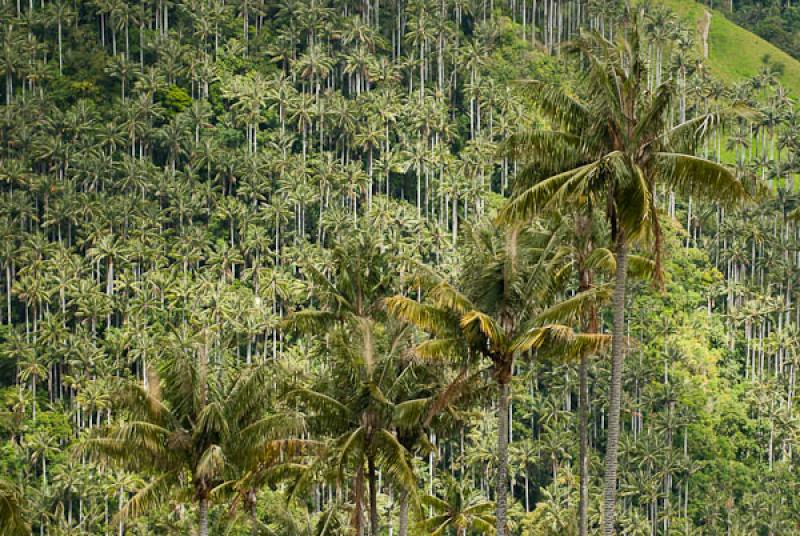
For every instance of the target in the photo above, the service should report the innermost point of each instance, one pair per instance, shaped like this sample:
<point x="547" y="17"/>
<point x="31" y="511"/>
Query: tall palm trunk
<point x="501" y="486"/>
<point x="589" y="325"/>
<point x="403" y="521"/>
<point x="583" y="426"/>
<point x="202" y="516"/>
<point x="617" y="355"/>
<point x="373" y="497"/>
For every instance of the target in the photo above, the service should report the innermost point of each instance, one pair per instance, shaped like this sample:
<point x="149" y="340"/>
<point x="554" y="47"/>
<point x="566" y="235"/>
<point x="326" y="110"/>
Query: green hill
<point x="735" y="53"/>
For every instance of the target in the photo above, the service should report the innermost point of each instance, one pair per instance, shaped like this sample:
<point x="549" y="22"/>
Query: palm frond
<point x="140" y="402"/>
<point x="570" y="310"/>
<point x="309" y="321"/>
<point x="446" y="296"/>
<point x="320" y="401"/>
<point x="603" y="260"/>
<point x="211" y="463"/>
<point x="544" y="194"/>
<point x="702" y="178"/>
<point x="474" y="321"/>
<point x="271" y="428"/>
<point x="430" y="319"/>
<point x="12" y="518"/>
<point x="394" y="461"/>
<point x="435" y="350"/>
<point x="559" y="106"/>
<point x="633" y="198"/>
<point x="561" y="341"/>
<point x="409" y="414"/>
<point x="535" y="145"/>
<point x="211" y="420"/>
<point x="687" y="136"/>
<point x="149" y="498"/>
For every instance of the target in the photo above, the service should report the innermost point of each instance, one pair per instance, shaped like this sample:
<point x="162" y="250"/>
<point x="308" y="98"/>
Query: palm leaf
<point x="12" y="520"/>
<point x="448" y="297"/>
<point x="310" y="321"/>
<point x="540" y="144"/>
<point x="560" y="107"/>
<point x="149" y="498"/>
<point x="430" y="319"/>
<point x="211" y="463"/>
<point x="270" y="428"/>
<point x="320" y="401"/>
<point x="702" y="178"/>
<point x="434" y="350"/>
<point x="211" y="420"/>
<point x="393" y="459"/>
<point x="569" y="310"/>
<point x="483" y="323"/>
<point x="544" y="194"/>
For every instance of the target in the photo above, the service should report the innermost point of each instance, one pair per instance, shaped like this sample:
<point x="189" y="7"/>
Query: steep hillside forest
<point x="396" y="267"/>
<point x="777" y="21"/>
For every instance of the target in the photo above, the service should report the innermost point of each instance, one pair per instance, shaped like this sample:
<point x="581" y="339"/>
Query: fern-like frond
<point x="430" y="319"/>
<point x="569" y="311"/>
<point x="691" y="175"/>
<point x="309" y="321"/>
<point x="12" y="517"/>
<point x="544" y="195"/>
<point x="557" y="105"/>
<point x="149" y="498"/>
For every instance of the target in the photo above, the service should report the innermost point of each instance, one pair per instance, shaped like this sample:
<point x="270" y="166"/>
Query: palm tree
<point x="461" y="509"/>
<point x="360" y="394"/>
<point x="263" y="447"/>
<point x="612" y="148"/>
<point x="61" y="13"/>
<point x="505" y="285"/>
<point x="12" y="520"/>
<point x="184" y="422"/>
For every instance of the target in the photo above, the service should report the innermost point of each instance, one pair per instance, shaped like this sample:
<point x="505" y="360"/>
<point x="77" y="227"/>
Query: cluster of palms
<point x="253" y="265"/>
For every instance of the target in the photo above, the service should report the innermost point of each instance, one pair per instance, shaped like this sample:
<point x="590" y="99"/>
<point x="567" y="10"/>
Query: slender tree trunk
<point x="615" y="395"/>
<point x="202" y="517"/>
<point x="60" y="60"/>
<point x="403" y="521"/>
<point x="589" y="325"/>
<point x="501" y="485"/>
<point x="373" y="498"/>
<point x="583" y="426"/>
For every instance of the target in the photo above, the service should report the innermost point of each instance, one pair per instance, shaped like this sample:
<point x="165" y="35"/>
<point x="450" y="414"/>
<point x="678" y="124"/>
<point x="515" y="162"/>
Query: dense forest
<point x="413" y="267"/>
<point x="777" y="21"/>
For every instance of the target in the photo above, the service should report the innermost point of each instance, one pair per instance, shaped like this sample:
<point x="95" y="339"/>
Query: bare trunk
<point x="583" y="425"/>
<point x="403" y="521"/>
<point x="501" y="485"/>
<point x="617" y="356"/>
<point x="373" y="498"/>
<point x="202" y="517"/>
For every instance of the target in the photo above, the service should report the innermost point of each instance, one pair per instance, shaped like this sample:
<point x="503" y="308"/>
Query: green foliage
<point x="254" y="279"/>
<point x="174" y="99"/>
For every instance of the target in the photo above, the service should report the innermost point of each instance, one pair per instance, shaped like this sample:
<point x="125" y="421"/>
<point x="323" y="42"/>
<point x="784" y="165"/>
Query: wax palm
<point x="12" y="522"/>
<point x="262" y="449"/>
<point x="357" y="398"/>
<point x="507" y="281"/>
<point x="611" y="149"/>
<point x="460" y="509"/>
<point x="182" y="424"/>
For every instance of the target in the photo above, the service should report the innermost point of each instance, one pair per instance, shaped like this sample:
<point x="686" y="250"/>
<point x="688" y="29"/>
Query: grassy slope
<point x="734" y="52"/>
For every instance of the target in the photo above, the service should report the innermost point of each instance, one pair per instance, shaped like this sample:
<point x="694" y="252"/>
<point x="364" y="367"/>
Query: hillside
<point x="734" y="52"/>
<point x="327" y="267"/>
